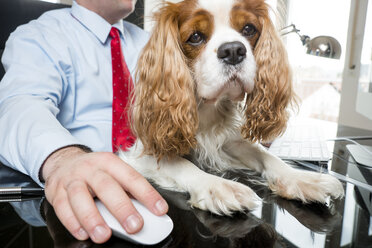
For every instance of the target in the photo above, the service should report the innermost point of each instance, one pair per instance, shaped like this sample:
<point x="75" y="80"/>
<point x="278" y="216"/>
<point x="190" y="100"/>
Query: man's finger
<point x="67" y="217"/>
<point x="85" y="210"/>
<point x="113" y="196"/>
<point x="134" y="183"/>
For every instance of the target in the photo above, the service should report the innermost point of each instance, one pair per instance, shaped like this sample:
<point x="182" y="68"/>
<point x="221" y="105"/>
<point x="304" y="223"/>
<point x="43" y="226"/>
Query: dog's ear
<point x="266" y="107"/>
<point x="165" y="111"/>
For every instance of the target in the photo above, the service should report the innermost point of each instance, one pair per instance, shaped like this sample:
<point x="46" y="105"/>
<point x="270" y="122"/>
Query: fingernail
<point x="161" y="206"/>
<point x="132" y="223"/>
<point x="100" y="233"/>
<point x="82" y="234"/>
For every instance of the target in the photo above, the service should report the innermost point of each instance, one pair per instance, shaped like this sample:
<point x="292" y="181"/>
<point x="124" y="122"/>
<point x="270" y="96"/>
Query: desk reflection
<point x="196" y="228"/>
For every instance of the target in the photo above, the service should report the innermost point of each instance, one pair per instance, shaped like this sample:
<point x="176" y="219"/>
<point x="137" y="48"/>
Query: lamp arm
<point x="304" y="38"/>
<point x="293" y="29"/>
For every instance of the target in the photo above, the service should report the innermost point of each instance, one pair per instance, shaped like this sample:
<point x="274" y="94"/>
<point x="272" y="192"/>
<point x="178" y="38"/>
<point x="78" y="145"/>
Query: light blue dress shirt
<point x="57" y="90"/>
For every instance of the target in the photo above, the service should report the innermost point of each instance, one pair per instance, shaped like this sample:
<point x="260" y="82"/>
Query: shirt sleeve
<point x="30" y="211"/>
<point x="30" y="93"/>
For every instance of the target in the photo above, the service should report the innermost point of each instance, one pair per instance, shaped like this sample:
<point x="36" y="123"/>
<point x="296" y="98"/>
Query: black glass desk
<point x="276" y="223"/>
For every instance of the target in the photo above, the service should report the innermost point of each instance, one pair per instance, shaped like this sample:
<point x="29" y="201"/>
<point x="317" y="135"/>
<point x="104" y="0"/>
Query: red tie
<point x="122" y="84"/>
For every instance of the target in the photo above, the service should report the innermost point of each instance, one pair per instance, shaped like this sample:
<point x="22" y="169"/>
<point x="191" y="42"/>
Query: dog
<point x="211" y="84"/>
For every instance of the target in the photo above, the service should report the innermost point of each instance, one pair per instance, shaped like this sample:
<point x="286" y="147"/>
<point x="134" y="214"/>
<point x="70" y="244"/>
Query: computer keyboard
<point x="301" y="142"/>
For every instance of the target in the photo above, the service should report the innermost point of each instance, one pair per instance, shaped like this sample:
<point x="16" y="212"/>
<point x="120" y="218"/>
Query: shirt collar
<point x="94" y="22"/>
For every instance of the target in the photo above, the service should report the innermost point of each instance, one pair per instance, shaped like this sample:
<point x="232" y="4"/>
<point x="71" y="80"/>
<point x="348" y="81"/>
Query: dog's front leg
<point x="282" y="179"/>
<point x="207" y="192"/>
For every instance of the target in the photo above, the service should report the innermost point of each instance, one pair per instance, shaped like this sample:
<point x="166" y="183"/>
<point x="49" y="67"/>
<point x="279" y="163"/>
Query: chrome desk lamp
<point x="322" y="46"/>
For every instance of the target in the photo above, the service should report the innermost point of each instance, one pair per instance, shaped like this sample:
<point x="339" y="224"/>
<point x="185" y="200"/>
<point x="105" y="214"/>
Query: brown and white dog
<point x="203" y="60"/>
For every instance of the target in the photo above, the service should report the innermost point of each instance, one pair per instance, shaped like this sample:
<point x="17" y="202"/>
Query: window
<point x="317" y="80"/>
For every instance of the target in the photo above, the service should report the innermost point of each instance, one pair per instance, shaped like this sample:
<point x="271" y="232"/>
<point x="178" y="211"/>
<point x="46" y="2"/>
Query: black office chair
<point x="16" y="12"/>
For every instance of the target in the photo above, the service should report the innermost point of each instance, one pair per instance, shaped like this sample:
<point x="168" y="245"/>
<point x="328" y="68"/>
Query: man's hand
<point x="73" y="177"/>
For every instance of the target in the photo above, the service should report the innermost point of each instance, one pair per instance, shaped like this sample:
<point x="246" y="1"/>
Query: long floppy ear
<point x="165" y="111"/>
<point x="266" y="107"/>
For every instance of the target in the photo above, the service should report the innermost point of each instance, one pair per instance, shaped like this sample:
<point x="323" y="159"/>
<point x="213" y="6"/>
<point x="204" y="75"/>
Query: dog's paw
<point x="223" y="197"/>
<point x="307" y="186"/>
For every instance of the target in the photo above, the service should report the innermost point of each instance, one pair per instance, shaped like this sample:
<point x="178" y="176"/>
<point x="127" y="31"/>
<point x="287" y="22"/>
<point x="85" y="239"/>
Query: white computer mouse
<point x="155" y="228"/>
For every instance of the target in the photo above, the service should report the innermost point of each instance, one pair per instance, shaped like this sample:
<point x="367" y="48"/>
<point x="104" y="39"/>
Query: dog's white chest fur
<point x="219" y="124"/>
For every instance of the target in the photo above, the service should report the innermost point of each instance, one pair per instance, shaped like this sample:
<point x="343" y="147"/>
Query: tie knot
<point x="114" y="33"/>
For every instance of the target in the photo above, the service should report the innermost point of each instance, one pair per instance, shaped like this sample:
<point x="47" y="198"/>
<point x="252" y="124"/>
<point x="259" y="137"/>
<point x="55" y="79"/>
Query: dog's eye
<point x="196" y="39"/>
<point x="249" y="30"/>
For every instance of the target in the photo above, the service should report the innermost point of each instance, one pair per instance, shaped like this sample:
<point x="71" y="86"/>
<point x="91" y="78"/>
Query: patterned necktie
<point x="122" y="84"/>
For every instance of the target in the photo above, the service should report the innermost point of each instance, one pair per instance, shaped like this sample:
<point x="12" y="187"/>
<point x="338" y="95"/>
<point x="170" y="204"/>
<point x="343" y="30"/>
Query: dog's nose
<point x="232" y="53"/>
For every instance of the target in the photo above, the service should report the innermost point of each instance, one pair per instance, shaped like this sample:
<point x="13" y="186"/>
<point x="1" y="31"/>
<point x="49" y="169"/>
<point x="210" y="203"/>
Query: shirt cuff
<point x="50" y="142"/>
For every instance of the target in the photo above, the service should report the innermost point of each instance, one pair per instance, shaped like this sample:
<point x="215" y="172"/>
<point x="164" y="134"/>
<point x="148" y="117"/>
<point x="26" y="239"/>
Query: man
<point x="56" y="105"/>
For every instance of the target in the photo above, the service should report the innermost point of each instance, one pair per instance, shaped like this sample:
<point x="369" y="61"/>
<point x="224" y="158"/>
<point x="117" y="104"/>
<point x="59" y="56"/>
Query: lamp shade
<point x="324" y="46"/>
